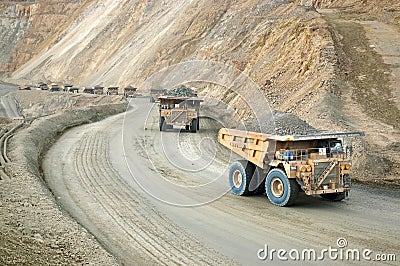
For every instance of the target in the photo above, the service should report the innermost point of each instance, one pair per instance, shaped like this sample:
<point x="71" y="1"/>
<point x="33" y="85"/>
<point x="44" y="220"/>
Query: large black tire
<point x="198" y="123"/>
<point x="281" y="190"/>
<point x="193" y="126"/>
<point x="162" y="123"/>
<point x="334" y="196"/>
<point x="240" y="175"/>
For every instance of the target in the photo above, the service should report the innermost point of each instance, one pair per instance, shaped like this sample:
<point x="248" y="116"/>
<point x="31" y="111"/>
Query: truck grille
<point x="319" y="169"/>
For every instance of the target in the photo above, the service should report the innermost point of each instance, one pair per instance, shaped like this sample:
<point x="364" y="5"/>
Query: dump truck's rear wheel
<point x="334" y="196"/>
<point x="258" y="181"/>
<point x="240" y="175"/>
<point x="193" y="126"/>
<point x="281" y="190"/>
<point x="162" y="123"/>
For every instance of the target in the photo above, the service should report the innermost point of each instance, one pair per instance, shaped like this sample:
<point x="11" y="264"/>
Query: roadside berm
<point x="33" y="228"/>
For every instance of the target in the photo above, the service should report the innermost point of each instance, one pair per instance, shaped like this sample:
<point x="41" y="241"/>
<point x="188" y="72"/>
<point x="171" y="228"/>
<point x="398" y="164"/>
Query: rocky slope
<point x="26" y="29"/>
<point x="279" y="44"/>
<point x="296" y="54"/>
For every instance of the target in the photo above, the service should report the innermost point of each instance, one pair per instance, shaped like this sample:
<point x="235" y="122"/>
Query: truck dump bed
<point x="260" y="148"/>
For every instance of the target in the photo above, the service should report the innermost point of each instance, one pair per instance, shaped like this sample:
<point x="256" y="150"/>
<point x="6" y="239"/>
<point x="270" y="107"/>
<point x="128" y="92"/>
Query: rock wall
<point x="26" y="29"/>
<point x="284" y="47"/>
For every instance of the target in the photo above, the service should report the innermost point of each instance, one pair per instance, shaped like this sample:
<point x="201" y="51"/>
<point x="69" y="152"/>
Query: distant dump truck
<point x="112" y="90"/>
<point x="179" y="111"/>
<point x="156" y="93"/>
<point x="42" y="86"/>
<point x="67" y="87"/>
<point x="318" y="164"/>
<point x="54" y="87"/>
<point x="24" y="87"/>
<point x="73" y="90"/>
<point x="129" y="91"/>
<point x="88" y="90"/>
<point x="98" y="89"/>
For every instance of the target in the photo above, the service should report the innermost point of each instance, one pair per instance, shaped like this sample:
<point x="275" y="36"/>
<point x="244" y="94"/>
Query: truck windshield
<point x="336" y="147"/>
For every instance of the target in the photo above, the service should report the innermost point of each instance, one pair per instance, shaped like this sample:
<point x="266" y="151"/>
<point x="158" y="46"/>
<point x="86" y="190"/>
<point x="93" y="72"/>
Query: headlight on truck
<point x="304" y="168"/>
<point x="347" y="166"/>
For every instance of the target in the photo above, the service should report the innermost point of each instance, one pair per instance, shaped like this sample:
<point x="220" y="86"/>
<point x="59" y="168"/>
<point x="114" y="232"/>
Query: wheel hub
<point x="237" y="178"/>
<point x="277" y="188"/>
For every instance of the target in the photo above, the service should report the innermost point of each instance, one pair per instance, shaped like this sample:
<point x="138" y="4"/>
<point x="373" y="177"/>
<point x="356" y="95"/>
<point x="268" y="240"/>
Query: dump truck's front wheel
<point x="193" y="126"/>
<point x="240" y="175"/>
<point x="334" y="196"/>
<point x="281" y="190"/>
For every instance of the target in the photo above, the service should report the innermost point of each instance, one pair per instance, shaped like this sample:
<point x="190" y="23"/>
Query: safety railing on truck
<point x="312" y="153"/>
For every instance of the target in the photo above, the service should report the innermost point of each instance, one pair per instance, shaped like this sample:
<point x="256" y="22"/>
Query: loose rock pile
<point x="182" y="91"/>
<point x="289" y="124"/>
<point x="285" y="124"/>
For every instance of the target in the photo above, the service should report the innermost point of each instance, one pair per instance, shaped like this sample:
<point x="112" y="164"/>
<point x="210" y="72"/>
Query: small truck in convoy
<point x="129" y="91"/>
<point x="98" y="89"/>
<point x="179" y="111"/>
<point x="281" y="166"/>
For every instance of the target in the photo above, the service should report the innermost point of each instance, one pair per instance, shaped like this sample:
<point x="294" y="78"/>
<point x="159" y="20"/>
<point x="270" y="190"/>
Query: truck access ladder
<point x="175" y="114"/>
<point x="325" y="173"/>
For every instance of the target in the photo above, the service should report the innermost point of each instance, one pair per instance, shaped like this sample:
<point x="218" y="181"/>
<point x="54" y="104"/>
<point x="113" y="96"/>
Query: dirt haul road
<point x="159" y="198"/>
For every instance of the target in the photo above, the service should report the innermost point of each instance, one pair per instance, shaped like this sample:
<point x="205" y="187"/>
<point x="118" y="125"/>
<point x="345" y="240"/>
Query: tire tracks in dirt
<point x="140" y="229"/>
<point x="120" y="210"/>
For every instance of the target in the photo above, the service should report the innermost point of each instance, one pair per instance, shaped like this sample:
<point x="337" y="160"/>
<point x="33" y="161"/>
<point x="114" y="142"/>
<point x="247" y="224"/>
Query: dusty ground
<point x="121" y="201"/>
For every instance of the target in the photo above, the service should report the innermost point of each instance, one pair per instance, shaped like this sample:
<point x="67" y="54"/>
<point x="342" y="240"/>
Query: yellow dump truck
<point x="179" y="111"/>
<point x="318" y="164"/>
<point x="129" y="91"/>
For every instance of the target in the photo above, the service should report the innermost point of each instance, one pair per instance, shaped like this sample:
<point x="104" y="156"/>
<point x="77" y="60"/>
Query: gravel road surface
<point x="160" y="198"/>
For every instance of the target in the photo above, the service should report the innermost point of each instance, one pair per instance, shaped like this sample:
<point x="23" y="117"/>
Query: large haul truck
<point x="318" y="164"/>
<point x="179" y="111"/>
